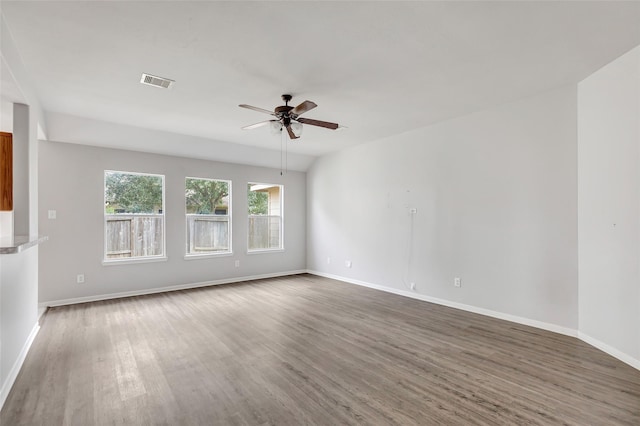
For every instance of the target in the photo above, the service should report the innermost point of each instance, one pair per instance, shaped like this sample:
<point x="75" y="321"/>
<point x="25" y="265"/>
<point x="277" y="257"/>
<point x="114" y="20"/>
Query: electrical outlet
<point x="413" y="210"/>
<point x="328" y="261"/>
<point x="51" y="214"/>
<point x="80" y="278"/>
<point x="237" y="263"/>
<point x="347" y="263"/>
<point x="413" y="286"/>
<point x="457" y="282"/>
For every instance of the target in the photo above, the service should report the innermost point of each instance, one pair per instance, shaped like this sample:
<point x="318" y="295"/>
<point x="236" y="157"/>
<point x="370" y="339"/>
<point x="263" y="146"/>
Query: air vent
<point x="155" y="81"/>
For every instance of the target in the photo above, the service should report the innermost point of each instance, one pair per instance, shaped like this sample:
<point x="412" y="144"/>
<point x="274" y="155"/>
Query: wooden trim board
<point x="6" y="171"/>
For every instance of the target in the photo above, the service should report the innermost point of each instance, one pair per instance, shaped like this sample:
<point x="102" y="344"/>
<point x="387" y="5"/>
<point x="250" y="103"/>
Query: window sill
<point x="263" y="251"/>
<point x="125" y="261"/>
<point x="207" y="256"/>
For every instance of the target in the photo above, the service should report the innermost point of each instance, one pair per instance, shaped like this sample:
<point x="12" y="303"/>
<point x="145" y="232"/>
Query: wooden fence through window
<point x="141" y="235"/>
<point x="134" y="235"/>
<point x="264" y="232"/>
<point x="207" y="233"/>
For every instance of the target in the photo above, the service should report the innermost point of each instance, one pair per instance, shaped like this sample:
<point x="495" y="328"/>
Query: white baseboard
<point x="627" y="359"/>
<point x="469" y="308"/>
<point x="13" y="374"/>
<point x="142" y="292"/>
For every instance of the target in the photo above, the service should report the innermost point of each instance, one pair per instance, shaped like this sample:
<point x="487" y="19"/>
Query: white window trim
<point x="207" y="255"/>
<point x="139" y="259"/>
<point x="130" y="260"/>
<point x="264" y="251"/>
<point x="195" y="256"/>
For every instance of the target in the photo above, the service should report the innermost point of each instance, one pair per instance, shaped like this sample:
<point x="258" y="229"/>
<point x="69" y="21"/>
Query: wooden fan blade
<point x="260" y="124"/>
<point x="266" y="111"/>
<point x="318" y="123"/>
<point x="303" y="107"/>
<point x="291" y="134"/>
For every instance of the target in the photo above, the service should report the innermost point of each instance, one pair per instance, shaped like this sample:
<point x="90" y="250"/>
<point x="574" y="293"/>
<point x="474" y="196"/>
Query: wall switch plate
<point x="328" y="260"/>
<point x="237" y="263"/>
<point x="80" y="278"/>
<point x="457" y="282"/>
<point x="347" y="263"/>
<point x="51" y="214"/>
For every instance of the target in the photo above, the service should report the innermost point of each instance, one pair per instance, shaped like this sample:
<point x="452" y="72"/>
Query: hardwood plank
<point x="308" y="350"/>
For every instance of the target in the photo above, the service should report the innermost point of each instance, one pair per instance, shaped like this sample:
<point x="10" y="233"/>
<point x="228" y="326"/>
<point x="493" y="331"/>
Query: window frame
<point x="194" y="256"/>
<point x="281" y="247"/>
<point x="137" y="259"/>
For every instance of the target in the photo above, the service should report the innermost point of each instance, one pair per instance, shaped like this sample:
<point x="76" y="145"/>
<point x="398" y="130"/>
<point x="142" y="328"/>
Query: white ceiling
<point x="9" y="94"/>
<point x="379" y="68"/>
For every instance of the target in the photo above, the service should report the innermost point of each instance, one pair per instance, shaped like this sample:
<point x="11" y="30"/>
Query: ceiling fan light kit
<point x="288" y="117"/>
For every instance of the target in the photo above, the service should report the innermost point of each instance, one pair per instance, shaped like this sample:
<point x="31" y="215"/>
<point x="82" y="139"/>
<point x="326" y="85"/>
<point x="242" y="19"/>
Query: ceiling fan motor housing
<point x="283" y="110"/>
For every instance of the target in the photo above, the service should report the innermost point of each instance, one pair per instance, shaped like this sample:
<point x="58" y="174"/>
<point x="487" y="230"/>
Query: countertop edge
<point x="20" y="244"/>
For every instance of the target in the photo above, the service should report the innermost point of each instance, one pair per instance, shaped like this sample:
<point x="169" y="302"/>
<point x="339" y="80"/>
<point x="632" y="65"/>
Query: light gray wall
<point x="21" y="169"/>
<point x="85" y="131"/>
<point x="609" y="205"/>
<point x="72" y="183"/>
<point x="496" y="200"/>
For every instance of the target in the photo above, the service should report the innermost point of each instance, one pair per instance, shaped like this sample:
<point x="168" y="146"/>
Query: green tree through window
<point x="258" y="202"/>
<point x="203" y="195"/>
<point x="132" y="193"/>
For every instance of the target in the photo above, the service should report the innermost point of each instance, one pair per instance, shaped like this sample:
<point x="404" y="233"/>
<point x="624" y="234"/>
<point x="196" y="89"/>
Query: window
<point x="134" y="215"/>
<point x="265" y="216"/>
<point x="208" y="216"/>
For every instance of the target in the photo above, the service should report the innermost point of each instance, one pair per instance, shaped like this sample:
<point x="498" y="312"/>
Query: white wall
<point x="71" y="182"/>
<point x="496" y="199"/>
<point x="19" y="309"/>
<point x="19" y="272"/>
<point x="609" y="207"/>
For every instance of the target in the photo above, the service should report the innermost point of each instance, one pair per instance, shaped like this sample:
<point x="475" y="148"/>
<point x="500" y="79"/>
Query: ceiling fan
<point x="289" y="117"/>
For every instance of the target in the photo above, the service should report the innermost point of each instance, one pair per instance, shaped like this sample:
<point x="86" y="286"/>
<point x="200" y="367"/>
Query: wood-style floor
<point x="308" y="350"/>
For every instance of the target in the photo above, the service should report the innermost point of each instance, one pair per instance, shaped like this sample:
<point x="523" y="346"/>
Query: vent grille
<point x="156" y="81"/>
